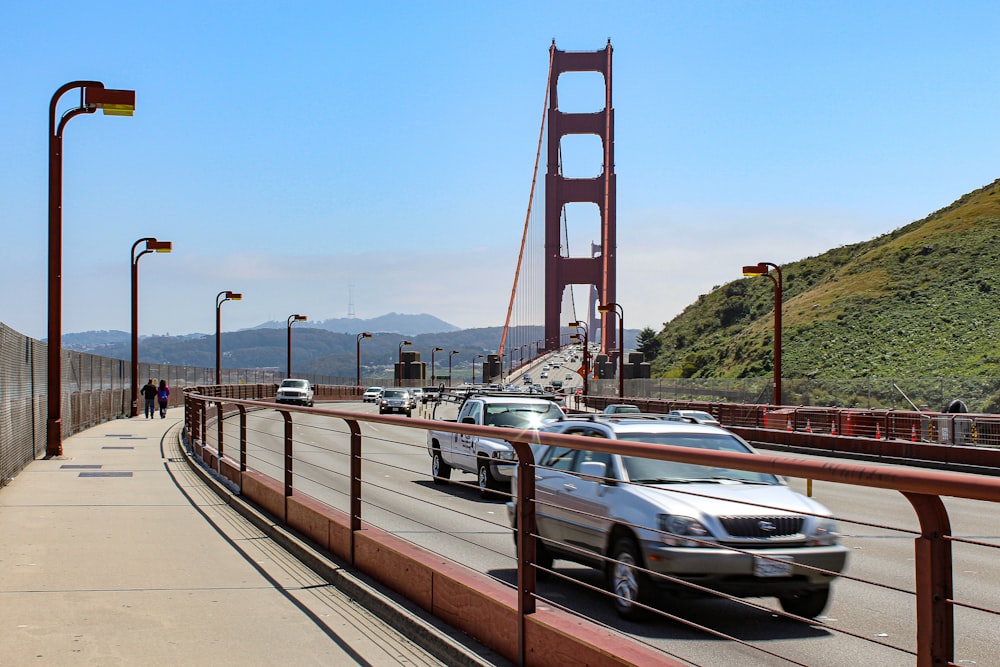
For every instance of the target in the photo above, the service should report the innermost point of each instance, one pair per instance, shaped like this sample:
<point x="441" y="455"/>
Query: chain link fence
<point x="980" y="395"/>
<point x="94" y="390"/>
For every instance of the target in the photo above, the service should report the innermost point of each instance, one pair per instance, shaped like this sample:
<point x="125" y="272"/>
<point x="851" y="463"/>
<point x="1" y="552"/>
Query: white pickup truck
<point x="490" y="459"/>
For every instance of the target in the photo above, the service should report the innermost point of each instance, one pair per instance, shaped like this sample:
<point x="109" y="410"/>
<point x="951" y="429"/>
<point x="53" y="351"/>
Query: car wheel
<point x="543" y="558"/>
<point x="439" y="469"/>
<point x="487" y="483"/>
<point x="808" y="605"/>
<point x="624" y="579"/>
<point x="407" y="413"/>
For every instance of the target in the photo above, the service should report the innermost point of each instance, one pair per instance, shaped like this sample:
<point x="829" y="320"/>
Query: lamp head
<point x="438" y="349"/>
<point x="366" y="335"/>
<point x="159" y="246"/>
<point x="755" y="270"/>
<point x="234" y="296"/>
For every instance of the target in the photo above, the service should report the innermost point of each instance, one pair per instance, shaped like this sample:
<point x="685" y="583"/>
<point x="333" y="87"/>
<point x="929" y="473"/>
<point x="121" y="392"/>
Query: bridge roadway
<point x="118" y="553"/>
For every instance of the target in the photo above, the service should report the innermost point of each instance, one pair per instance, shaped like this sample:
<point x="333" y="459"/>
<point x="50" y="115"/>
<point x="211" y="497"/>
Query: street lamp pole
<point x="362" y="335"/>
<point x="450" y="355"/>
<point x="399" y="366"/>
<point x="763" y="269"/>
<point x="292" y="319"/>
<point x="586" y="353"/>
<point x="436" y="349"/>
<point x="478" y="356"/>
<point x="225" y="295"/>
<point x="620" y="313"/>
<point x="152" y="245"/>
<point x="93" y="96"/>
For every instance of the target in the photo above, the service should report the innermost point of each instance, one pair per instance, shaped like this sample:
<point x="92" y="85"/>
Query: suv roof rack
<point x="611" y="417"/>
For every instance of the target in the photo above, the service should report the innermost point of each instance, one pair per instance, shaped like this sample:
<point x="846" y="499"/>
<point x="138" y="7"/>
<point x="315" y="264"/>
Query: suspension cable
<point x="531" y="198"/>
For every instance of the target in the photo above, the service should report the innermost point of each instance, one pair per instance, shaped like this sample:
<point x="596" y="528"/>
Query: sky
<point x="335" y="158"/>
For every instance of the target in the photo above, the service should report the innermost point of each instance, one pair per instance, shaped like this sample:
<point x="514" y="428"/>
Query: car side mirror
<point x="594" y="471"/>
<point x="468" y="420"/>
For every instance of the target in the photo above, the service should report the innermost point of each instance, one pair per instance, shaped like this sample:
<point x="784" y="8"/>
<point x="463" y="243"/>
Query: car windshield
<point x="521" y="415"/>
<point x="373" y="390"/>
<point x="293" y="384"/>
<point x="655" y="471"/>
<point x="394" y="393"/>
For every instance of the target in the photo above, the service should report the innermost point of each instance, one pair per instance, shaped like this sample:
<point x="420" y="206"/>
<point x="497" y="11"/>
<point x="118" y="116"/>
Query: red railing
<point x="935" y="601"/>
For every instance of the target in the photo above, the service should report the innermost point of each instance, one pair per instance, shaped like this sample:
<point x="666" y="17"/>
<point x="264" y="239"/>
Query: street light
<point x="763" y="269"/>
<point x="360" y="336"/>
<point x="478" y="356"/>
<point x="436" y="349"/>
<point x="450" y="355"/>
<point x="225" y="295"/>
<point x="614" y="307"/>
<point x="93" y="96"/>
<point x="152" y="245"/>
<point x="292" y="319"/>
<point x="579" y="324"/>
<point x="399" y="366"/>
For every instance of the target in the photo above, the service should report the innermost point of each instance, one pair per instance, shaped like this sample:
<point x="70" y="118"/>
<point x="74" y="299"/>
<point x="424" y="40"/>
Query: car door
<point x="586" y="499"/>
<point x="551" y="474"/>
<point x="465" y="449"/>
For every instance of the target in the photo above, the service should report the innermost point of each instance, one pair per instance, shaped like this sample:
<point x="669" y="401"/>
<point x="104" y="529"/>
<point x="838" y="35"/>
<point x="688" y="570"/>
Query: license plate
<point x="765" y="567"/>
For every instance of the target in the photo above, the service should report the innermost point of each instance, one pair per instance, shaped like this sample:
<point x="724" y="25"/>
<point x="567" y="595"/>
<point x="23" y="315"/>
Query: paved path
<point x="118" y="553"/>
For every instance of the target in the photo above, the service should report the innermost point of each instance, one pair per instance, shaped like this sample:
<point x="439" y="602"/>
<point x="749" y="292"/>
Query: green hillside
<point x="917" y="302"/>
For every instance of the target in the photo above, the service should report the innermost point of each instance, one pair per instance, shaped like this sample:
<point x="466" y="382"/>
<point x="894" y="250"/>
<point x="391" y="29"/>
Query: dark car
<point x="396" y="400"/>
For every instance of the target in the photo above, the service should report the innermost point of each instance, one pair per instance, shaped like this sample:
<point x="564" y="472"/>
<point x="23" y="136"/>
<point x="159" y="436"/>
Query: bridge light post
<point x="361" y="336"/>
<point x="764" y="269"/>
<point x="620" y="313"/>
<point x="93" y="96"/>
<point x="478" y="356"/>
<point x="450" y="355"/>
<point x="292" y="319"/>
<point x="399" y="366"/>
<point x="579" y="324"/>
<point x="436" y="349"/>
<point x="152" y="245"/>
<point x="224" y="295"/>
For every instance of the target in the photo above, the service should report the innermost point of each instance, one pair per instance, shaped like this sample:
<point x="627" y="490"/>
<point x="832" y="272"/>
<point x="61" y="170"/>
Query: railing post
<point x="355" y="484"/>
<point x="219" y="425"/>
<point x="526" y="546"/>
<point x="288" y="452"/>
<point x="933" y="568"/>
<point x="243" y="437"/>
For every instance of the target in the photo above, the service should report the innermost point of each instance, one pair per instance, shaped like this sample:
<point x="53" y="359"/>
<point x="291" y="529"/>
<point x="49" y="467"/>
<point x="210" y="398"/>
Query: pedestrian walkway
<point x="119" y="553"/>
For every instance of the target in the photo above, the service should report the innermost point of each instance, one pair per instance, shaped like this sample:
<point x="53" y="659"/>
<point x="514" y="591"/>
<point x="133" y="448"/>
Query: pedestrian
<point x="149" y="393"/>
<point x="163" y="395"/>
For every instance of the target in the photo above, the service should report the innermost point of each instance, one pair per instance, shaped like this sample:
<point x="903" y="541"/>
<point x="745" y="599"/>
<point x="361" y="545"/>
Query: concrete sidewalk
<point x="119" y="553"/>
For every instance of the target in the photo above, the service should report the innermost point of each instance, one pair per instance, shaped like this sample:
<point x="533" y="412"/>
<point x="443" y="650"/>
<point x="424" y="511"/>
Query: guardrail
<point x="323" y="472"/>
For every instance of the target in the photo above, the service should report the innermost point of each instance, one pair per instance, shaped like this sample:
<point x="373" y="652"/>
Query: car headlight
<point x="676" y="527"/>
<point x="505" y="456"/>
<point x="825" y="533"/>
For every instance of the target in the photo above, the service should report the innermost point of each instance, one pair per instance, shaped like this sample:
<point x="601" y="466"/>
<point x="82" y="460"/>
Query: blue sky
<point x="317" y="154"/>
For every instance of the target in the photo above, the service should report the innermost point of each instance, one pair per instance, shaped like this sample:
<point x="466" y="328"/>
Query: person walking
<point x="149" y="393"/>
<point x="163" y="396"/>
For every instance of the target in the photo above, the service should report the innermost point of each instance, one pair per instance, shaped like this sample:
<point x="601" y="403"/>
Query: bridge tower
<point x="598" y="269"/>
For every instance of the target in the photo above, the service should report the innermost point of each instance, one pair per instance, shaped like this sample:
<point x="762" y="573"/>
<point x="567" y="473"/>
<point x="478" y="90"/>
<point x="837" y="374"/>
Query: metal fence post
<point x="933" y="569"/>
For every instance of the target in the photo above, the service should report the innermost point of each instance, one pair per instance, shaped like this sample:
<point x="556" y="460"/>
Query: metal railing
<point x="346" y="460"/>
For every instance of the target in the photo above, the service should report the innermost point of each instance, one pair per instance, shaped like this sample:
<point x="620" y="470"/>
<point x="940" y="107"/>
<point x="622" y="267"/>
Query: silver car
<point x="738" y="532"/>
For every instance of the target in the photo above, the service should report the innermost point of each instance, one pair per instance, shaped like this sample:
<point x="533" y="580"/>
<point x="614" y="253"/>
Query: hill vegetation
<point x="916" y="302"/>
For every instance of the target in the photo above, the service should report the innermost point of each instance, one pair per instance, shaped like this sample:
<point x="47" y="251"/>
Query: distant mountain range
<point x="317" y="350"/>
<point x="398" y="323"/>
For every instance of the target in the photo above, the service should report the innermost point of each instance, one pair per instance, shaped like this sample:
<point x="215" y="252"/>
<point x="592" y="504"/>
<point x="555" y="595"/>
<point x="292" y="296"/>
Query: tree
<point x="647" y="343"/>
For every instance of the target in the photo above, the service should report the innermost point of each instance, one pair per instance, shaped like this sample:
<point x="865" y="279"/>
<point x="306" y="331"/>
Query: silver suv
<point x="396" y="399"/>
<point x="296" y="392"/>
<point x="742" y="533"/>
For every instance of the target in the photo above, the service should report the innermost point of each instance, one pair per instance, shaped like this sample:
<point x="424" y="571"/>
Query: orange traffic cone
<point x="913" y="433"/>
<point x="833" y="428"/>
<point x="809" y="428"/>
<point x="878" y="432"/>
<point x="788" y="424"/>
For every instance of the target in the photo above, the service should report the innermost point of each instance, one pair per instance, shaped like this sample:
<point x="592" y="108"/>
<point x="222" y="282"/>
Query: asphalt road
<point x="878" y="526"/>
